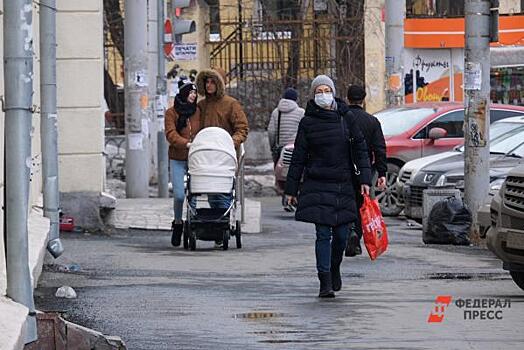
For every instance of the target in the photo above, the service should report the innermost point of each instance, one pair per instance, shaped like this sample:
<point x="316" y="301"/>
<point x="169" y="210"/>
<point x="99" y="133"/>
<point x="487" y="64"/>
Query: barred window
<point x="435" y="8"/>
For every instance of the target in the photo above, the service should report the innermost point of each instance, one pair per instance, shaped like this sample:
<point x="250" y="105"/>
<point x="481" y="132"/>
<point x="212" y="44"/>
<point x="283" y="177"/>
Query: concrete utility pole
<point x="160" y="107"/>
<point x="136" y="99"/>
<point x="152" y="72"/>
<point x="48" y="123"/>
<point x="476" y="102"/>
<point x="395" y="13"/>
<point x="18" y="87"/>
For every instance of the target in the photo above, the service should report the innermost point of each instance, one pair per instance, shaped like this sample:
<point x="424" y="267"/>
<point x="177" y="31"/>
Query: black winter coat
<point x="372" y="131"/>
<point x="322" y="155"/>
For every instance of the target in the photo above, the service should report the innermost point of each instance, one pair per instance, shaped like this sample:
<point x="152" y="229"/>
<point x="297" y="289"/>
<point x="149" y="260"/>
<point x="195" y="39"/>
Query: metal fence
<point x="262" y="58"/>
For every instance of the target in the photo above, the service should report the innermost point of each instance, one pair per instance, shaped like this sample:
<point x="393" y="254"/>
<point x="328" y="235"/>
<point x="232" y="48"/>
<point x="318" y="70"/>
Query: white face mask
<point x="324" y="99"/>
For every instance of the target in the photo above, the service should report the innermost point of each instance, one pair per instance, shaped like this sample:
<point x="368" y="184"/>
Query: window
<point x="434" y="8"/>
<point x="451" y="122"/>
<point x="279" y="9"/>
<point x="498" y="114"/>
<point x="506" y="85"/>
<point x="395" y="121"/>
<point x="214" y="19"/>
<point x="510" y="141"/>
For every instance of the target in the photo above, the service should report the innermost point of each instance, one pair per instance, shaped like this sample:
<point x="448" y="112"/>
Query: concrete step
<point x="157" y="214"/>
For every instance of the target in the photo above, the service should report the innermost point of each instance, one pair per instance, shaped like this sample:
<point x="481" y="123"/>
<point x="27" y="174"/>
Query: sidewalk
<point x="148" y="213"/>
<point x="157" y="214"/>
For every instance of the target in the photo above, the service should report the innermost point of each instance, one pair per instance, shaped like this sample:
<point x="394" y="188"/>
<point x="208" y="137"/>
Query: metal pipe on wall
<point x="18" y="87"/>
<point x="49" y="123"/>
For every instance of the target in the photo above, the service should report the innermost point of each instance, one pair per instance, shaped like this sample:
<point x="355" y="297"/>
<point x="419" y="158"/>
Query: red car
<point x="421" y="129"/>
<point x="412" y="131"/>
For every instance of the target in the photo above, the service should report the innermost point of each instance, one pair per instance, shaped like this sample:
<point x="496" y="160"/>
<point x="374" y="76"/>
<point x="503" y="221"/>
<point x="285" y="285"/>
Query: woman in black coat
<point x="323" y="157"/>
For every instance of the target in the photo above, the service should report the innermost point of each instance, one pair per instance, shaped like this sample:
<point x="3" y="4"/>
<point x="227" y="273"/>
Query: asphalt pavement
<point x="264" y="296"/>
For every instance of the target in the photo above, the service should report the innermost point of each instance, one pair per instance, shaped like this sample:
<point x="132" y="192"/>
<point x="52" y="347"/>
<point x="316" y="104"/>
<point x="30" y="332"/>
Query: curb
<point x="157" y="214"/>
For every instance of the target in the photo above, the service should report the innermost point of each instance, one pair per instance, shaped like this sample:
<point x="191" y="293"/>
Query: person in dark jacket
<point x="372" y="131"/>
<point x="322" y="155"/>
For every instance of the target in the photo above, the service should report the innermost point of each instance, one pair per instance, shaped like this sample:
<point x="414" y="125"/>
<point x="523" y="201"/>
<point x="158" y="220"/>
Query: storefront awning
<point x="439" y="33"/>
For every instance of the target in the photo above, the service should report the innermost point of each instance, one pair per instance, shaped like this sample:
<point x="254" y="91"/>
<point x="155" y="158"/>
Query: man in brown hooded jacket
<point x="219" y="109"/>
<point x="223" y="111"/>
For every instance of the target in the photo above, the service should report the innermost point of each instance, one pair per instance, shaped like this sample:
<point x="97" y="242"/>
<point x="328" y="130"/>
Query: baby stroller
<point x="212" y="168"/>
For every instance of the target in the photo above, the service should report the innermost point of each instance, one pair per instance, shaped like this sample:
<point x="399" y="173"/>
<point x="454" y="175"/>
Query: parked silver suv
<point x="505" y="238"/>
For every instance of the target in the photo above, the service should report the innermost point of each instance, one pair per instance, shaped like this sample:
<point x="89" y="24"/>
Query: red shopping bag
<point x="373" y="228"/>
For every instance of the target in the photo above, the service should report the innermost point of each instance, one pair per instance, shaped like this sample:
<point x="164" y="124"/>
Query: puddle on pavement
<point x="258" y="315"/>
<point x="466" y="276"/>
<point x="277" y="332"/>
<point x="286" y="341"/>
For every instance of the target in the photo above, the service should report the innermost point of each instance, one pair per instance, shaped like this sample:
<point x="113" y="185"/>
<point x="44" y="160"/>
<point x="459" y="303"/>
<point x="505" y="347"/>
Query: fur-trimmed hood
<point x="218" y="75"/>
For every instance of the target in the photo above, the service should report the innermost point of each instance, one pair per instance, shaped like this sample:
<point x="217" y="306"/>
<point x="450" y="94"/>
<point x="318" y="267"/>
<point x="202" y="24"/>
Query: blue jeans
<point x="220" y="200"/>
<point x="329" y="240"/>
<point x="178" y="171"/>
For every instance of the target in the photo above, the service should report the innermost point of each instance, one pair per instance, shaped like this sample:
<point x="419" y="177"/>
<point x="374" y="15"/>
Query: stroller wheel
<point x="192" y="242"/>
<point x="185" y="235"/>
<point x="238" y="235"/>
<point x="225" y="241"/>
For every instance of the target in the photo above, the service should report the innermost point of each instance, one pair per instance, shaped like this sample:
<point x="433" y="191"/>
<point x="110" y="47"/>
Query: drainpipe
<point x="18" y="86"/>
<point x="48" y="123"/>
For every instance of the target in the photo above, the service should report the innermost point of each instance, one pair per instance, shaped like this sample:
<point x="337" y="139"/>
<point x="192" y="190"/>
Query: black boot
<point x="176" y="237"/>
<point x="325" y="285"/>
<point x="336" y="279"/>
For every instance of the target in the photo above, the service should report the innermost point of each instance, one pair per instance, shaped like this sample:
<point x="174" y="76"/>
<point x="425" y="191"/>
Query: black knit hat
<point x="184" y="88"/>
<point x="356" y="93"/>
<point x="290" y="94"/>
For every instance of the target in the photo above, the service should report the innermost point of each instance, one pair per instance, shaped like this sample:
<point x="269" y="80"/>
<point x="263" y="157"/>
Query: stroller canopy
<point x="212" y="161"/>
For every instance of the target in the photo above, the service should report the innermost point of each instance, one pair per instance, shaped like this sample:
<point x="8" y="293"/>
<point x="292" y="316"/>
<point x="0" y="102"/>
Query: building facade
<point x="80" y="119"/>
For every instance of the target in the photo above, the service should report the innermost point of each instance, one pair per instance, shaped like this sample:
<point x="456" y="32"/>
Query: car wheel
<point x="388" y="199"/>
<point x="518" y="278"/>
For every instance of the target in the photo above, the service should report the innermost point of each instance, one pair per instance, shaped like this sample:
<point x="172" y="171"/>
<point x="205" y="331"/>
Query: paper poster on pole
<point x="185" y="52"/>
<point x="472" y="76"/>
<point x="145" y="128"/>
<point x="134" y="142"/>
<point x="140" y="78"/>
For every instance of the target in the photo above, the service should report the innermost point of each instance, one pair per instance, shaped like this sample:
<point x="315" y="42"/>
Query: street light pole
<point x="395" y="13"/>
<point x="476" y="102"/>
<point x="18" y="87"/>
<point x="160" y="108"/>
<point x="49" y="123"/>
<point x="136" y="99"/>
